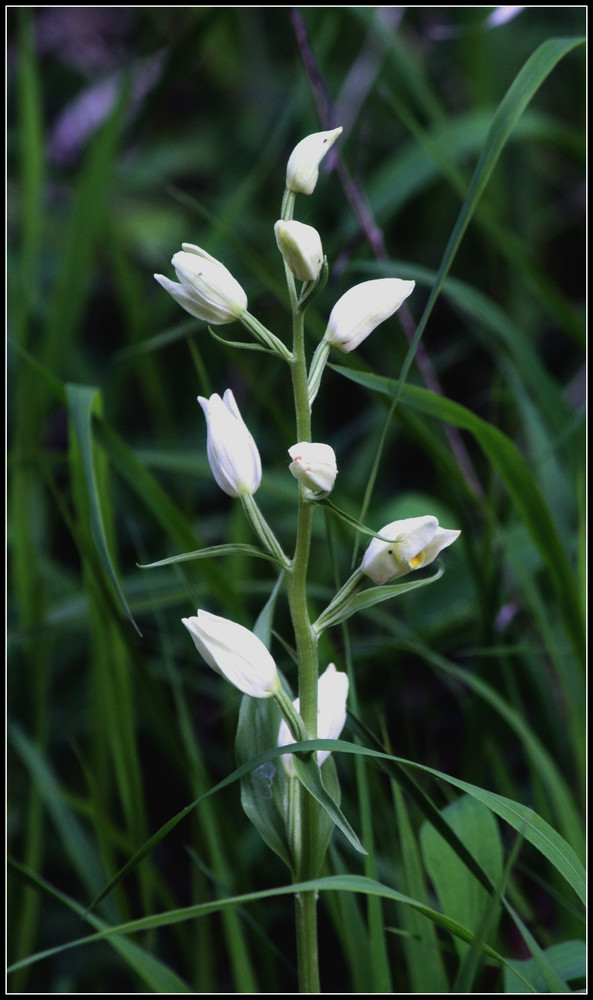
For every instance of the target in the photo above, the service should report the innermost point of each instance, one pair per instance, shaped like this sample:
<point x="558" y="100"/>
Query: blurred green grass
<point x="131" y="130"/>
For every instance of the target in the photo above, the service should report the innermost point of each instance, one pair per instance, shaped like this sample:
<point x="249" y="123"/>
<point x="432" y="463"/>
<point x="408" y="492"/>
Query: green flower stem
<point x="288" y="200"/>
<point x="305" y="813"/>
<point x="306" y="639"/>
<point x="307" y="950"/>
<point x="292" y="804"/>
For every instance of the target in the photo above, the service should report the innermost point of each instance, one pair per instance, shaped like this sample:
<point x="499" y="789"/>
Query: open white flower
<point x="232" y="451"/>
<point x="235" y="653"/>
<point x="332" y="692"/>
<point x="302" y="169"/>
<point x="206" y="289"/>
<point x="362" y="308"/>
<point x="413" y="542"/>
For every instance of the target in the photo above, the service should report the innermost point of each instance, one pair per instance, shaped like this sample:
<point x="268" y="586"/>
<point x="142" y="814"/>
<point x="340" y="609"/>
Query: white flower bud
<point x="207" y="290"/>
<point x="300" y="245"/>
<point x="232" y="451"/>
<point x="235" y="653"/>
<point x="416" y="542"/>
<point x="302" y="169"/>
<point x="362" y="308"/>
<point x="332" y="691"/>
<point x="314" y="465"/>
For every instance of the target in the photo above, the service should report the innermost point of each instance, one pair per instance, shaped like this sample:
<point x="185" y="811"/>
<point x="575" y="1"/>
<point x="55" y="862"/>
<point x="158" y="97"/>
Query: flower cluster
<point x="209" y="292"/>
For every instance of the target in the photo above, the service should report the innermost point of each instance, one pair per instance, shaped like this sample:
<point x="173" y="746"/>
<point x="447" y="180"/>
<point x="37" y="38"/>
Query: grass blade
<point x="539" y="65"/>
<point x="82" y="401"/>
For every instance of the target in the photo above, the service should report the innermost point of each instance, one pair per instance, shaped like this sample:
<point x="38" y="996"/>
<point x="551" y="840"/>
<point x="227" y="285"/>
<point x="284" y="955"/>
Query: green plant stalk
<point x="306" y="814"/>
<point x="306" y="860"/>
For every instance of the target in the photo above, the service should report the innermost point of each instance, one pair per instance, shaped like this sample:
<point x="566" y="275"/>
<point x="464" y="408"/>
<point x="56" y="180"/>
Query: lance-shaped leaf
<point x="210" y="552"/>
<point x="82" y="401"/>
<point x="262" y="789"/>
<point x="309" y="775"/>
<point x="334" y="614"/>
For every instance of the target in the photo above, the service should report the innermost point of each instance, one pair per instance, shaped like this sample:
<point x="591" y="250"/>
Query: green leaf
<point x="159" y="978"/>
<point x="210" y="552"/>
<point x="516" y="475"/>
<point x="568" y="959"/>
<point x="262" y="789"/>
<point x="557" y="789"/>
<point x="329" y="777"/>
<point x="460" y="894"/>
<point x="496" y="330"/>
<point x="510" y="109"/>
<point x="241" y="344"/>
<point x="523" y="819"/>
<point x="263" y="624"/>
<point x="145" y="486"/>
<point x="310" y="776"/>
<point x="424" y="958"/>
<point x="81" y="401"/>
<point x="28" y="94"/>
<point x="82" y="856"/>
<point x="375" y="595"/>
<point x="554" y="982"/>
<point x="348" y="519"/>
<point x="335" y="883"/>
<point x="84" y="229"/>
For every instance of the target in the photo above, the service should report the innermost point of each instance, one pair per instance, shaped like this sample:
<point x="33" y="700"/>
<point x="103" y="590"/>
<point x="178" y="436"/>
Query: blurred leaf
<point x="512" y="467"/>
<point x="523" y="819"/>
<point x="210" y="552"/>
<point x="516" y="99"/>
<point x="426" y="967"/>
<point x="157" y="976"/>
<point x="460" y="894"/>
<point x="569" y="959"/>
<point x="336" y="883"/>
<point x="79" y="847"/>
<point x="81" y="402"/>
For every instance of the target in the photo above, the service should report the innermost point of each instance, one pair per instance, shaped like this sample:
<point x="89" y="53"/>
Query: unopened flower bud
<point x="235" y="653"/>
<point x="414" y="542"/>
<point x="300" y="245"/>
<point x="302" y="169"/>
<point x="332" y="691"/>
<point x="232" y="451"/>
<point x="362" y="308"/>
<point x="206" y="289"/>
<point x="314" y="465"/>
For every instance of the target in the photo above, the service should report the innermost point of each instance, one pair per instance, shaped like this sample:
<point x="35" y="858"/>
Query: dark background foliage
<point x="130" y="131"/>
